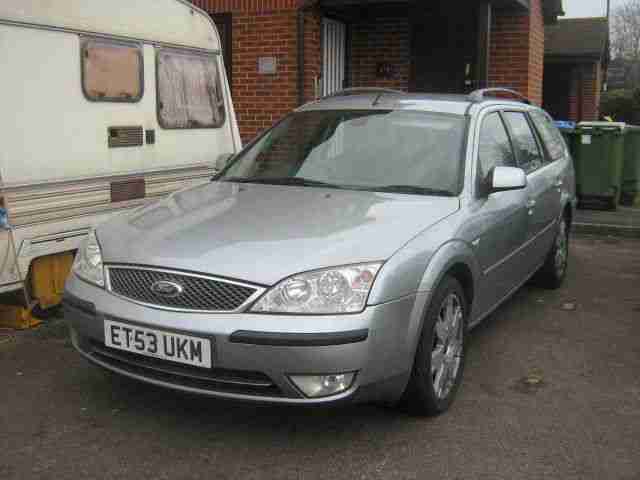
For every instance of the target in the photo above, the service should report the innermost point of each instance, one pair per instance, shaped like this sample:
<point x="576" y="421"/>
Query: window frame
<point x="193" y="53"/>
<point x="84" y="41"/>
<point x="534" y="133"/>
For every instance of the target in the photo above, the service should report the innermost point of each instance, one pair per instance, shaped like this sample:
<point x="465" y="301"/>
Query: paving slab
<point x="624" y="221"/>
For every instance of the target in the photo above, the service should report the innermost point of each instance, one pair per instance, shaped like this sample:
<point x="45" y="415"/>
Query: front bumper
<point x="254" y="354"/>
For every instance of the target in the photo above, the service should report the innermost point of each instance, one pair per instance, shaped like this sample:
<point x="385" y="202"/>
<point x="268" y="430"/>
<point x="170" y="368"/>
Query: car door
<point x="543" y="197"/>
<point x="498" y="221"/>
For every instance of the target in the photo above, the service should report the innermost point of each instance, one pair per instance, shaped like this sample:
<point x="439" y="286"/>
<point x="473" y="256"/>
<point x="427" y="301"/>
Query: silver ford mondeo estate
<point x="343" y="255"/>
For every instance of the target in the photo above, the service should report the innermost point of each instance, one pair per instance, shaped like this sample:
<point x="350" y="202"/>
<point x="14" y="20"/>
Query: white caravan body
<point x="105" y="106"/>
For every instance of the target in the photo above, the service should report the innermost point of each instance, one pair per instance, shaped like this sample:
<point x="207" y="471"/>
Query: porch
<point x="449" y="46"/>
<point x="282" y="53"/>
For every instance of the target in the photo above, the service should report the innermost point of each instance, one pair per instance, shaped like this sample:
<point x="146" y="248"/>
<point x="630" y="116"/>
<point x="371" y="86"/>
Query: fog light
<point x="315" y="386"/>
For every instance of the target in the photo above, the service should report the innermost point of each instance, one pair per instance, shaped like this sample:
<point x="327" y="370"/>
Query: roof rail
<point x="362" y="90"/>
<point x="478" y="95"/>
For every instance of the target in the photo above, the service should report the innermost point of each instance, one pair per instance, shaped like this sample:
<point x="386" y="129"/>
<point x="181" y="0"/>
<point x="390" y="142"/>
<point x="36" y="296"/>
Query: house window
<point x="189" y="90"/>
<point x="111" y="71"/>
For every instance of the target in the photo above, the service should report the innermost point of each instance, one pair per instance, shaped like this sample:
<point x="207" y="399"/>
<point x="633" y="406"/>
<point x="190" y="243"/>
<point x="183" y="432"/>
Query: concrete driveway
<point x="551" y="390"/>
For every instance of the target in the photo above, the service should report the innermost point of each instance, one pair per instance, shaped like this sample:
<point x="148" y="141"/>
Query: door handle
<point x="559" y="183"/>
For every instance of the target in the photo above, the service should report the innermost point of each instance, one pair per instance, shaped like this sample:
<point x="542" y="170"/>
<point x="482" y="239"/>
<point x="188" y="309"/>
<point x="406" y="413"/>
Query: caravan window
<point x="189" y="90"/>
<point x="111" y="71"/>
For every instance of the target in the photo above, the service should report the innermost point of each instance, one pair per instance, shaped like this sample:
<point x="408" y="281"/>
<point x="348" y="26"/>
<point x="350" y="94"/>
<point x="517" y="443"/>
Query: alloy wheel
<point x="446" y="356"/>
<point x="561" y="249"/>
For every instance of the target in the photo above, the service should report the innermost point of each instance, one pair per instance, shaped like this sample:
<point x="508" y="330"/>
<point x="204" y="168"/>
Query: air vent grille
<point x="126" y="137"/>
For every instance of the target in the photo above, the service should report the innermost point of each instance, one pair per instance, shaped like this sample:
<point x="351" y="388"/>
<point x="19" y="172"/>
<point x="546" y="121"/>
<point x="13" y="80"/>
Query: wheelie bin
<point x="568" y="130"/>
<point x="630" y="185"/>
<point x="598" y="160"/>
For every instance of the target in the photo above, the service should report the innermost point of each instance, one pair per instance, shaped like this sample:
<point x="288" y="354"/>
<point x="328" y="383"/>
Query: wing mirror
<point x="222" y="161"/>
<point x="504" y="179"/>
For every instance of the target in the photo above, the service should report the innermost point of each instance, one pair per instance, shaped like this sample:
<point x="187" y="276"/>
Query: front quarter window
<point x="495" y="148"/>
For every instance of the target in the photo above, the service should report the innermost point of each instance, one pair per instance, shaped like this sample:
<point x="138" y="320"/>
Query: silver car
<point x="341" y="256"/>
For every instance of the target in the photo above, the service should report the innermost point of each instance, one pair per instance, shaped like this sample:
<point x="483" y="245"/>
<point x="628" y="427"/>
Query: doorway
<point x="334" y="56"/>
<point x="443" y="48"/>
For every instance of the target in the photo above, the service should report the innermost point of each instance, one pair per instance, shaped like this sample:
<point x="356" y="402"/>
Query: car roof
<point x="457" y="104"/>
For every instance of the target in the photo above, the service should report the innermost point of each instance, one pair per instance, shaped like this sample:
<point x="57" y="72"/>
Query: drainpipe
<point x="305" y="5"/>
<point x="484" y="44"/>
<point x="300" y="55"/>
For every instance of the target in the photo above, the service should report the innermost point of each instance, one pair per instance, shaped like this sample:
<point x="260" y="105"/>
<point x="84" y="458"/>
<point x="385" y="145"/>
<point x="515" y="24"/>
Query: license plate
<point x="158" y="344"/>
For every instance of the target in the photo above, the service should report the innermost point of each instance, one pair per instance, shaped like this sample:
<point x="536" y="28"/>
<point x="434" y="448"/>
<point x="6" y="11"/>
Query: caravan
<point x="105" y="107"/>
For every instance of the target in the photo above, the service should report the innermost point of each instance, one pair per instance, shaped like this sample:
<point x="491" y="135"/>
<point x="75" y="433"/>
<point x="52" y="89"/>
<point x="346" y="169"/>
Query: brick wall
<point x="264" y="28"/>
<point x="384" y="40"/>
<point x="584" y="96"/>
<point x="517" y="51"/>
<point x="591" y="85"/>
<point x="312" y="53"/>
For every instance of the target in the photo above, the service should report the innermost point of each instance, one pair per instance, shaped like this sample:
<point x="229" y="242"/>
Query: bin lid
<point x="565" y="124"/>
<point x="603" y="125"/>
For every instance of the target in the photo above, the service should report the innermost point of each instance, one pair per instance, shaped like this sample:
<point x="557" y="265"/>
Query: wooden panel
<point x="128" y="190"/>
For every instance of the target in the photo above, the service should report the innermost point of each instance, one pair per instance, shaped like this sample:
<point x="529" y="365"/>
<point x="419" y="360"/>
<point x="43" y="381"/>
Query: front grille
<point x="199" y="293"/>
<point x="213" y="379"/>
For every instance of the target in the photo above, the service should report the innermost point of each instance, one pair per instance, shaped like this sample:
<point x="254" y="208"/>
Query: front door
<point x="543" y="195"/>
<point x="334" y="48"/>
<point x="443" y="47"/>
<point x="498" y="225"/>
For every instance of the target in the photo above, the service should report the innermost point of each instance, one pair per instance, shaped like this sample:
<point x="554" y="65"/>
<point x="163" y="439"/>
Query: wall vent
<point x="125" y="137"/>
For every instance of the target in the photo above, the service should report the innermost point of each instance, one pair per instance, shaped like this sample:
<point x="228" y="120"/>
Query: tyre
<point x="554" y="270"/>
<point x="440" y="356"/>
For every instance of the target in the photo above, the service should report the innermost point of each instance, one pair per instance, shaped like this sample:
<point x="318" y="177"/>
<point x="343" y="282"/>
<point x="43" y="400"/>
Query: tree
<point x="625" y="40"/>
<point x="625" y="31"/>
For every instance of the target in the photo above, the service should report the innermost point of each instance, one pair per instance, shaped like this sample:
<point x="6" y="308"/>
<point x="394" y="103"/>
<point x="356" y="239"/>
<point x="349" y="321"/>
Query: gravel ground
<point x="577" y="416"/>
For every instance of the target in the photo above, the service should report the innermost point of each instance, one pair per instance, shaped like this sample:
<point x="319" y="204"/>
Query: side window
<point x="189" y="90"/>
<point x="524" y="141"/>
<point x="111" y="71"/>
<point x="551" y="136"/>
<point x="495" y="149"/>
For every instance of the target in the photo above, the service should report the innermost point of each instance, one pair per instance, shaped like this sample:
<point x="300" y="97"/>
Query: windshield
<point x="394" y="151"/>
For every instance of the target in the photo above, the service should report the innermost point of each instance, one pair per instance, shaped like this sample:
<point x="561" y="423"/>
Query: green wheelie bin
<point x="598" y="161"/>
<point x="570" y="136"/>
<point x="630" y="186"/>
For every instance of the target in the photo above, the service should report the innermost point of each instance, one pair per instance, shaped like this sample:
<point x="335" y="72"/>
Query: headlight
<point x="329" y="291"/>
<point x="88" y="262"/>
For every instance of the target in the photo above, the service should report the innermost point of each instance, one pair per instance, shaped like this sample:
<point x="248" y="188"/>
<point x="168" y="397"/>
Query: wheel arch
<point x="453" y="258"/>
<point x="457" y="259"/>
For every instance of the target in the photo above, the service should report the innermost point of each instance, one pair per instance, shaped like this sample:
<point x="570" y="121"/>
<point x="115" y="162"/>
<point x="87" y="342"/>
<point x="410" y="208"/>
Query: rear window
<point x="111" y="71"/>
<point x="550" y="135"/>
<point x="189" y="90"/>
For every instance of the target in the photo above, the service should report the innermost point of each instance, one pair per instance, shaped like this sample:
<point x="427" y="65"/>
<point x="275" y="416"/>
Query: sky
<point x="588" y="8"/>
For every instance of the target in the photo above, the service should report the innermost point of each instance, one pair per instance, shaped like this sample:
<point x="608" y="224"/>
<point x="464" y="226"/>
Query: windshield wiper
<point x="414" y="190"/>
<point x="294" y="181"/>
